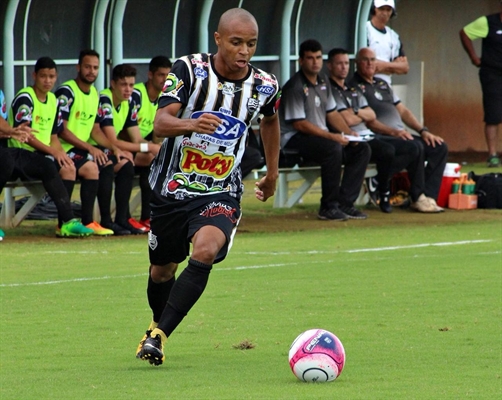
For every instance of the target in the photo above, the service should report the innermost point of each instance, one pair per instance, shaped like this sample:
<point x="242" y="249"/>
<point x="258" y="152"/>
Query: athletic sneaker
<point x="132" y="230"/>
<point x="145" y="223"/>
<point x="372" y="189"/>
<point x="117" y="229"/>
<point x="99" y="230"/>
<point x="332" y="214"/>
<point x="2" y="235"/>
<point x="424" y="205"/>
<point x="384" y="203"/>
<point x="73" y="228"/>
<point x="493" y="161"/>
<point x="142" y="341"/>
<point x="152" y="350"/>
<point x="138" y="225"/>
<point x="353" y="213"/>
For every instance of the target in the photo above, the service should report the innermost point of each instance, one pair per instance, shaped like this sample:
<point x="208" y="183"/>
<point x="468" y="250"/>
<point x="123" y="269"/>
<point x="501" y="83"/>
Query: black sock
<point x="158" y="293"/>
<point x="146" y="192"/>
<point x="123" y="189"/>
<point x="105" y="189"/>
<point x="69" y="189"/>
<point x="185" y="292"/>
<point x="88" y="191"/>
<point x="59" y="195"/>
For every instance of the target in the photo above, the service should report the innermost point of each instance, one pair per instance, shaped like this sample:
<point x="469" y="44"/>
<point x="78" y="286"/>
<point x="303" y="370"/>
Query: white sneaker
<point x="433" y="202"/>
<point x="424" y="205"/>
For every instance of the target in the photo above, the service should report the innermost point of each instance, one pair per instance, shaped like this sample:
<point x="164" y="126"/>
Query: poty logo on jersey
<point x="266" y="90"/>
<point x="83" y="116"/>
<point x="215" y="209"/>
<point x="41" y="120"/>
<point x="200" y="73"/>
<point x="216" y="165"/>
<point x="231" y="128"/>
<point x="105" y="110"/>
<point x="23" y="113"/>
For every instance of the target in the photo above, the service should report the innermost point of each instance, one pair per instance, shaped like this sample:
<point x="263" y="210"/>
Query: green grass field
<point x="417" y="307"/>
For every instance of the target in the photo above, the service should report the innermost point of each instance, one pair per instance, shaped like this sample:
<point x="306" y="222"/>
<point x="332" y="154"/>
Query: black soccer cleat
<point x="152" y="350"/>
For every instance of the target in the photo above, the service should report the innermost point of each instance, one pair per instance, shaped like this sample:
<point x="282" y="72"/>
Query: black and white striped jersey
<point x="199" y="164"/>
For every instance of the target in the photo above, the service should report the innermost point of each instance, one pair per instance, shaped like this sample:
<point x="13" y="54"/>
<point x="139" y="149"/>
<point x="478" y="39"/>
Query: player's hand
<point x="63" y="159"/>
<point x="265" y="188"/>
<point x="98" y="156"/>
<point x="402" y="134"/>
<point x="23" y="132"/>
<point x="123" y="155"/>
<point x="206" y="123"/>
<point x="340" y="138"/>
<point x="431" y="139"/>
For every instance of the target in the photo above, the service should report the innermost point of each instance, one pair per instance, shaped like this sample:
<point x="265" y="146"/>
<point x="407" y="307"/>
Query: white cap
<point x="381" y="3"/>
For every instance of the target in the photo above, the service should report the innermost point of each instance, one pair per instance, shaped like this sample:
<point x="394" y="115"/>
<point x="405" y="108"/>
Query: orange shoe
<point x="98" y="229"/>
<point x="138" y="225"/>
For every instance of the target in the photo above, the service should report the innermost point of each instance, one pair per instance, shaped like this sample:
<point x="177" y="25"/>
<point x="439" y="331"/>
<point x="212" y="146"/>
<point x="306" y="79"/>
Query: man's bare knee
<point x="163" y="273"/>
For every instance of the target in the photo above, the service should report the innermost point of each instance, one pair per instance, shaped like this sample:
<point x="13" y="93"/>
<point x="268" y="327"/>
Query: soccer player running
<point x="205" y="109"/>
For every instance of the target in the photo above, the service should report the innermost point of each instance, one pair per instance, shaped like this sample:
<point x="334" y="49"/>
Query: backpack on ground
<point x="488" y="189"/>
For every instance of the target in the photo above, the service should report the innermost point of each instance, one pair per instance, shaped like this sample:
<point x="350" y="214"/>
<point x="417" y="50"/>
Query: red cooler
<point x="451" y="172"/>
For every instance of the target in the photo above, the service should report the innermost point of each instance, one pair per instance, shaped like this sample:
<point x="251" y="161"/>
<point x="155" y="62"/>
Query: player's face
<point x="123" y="87"/>
<point x="339" y="66"/>
<point x="45" y="79"/>
<point x="383" y="14"/>
<point x="236" y="45"/>
<point x="158" y="78"/>
<point x="366" y="63"/>
<point x="88" y="69"/>
<point x="311" y="62"/>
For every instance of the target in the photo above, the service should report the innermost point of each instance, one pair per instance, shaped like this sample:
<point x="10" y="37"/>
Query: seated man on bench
<point x="308" y="114"/>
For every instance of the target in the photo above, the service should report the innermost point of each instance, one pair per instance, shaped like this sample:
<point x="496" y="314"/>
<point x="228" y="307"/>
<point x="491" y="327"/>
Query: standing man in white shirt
<point x="385" y="42"/>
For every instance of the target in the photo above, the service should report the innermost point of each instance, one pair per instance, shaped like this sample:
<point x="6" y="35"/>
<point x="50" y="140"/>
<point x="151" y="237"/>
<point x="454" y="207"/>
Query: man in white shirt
<point x="385" y="42"/>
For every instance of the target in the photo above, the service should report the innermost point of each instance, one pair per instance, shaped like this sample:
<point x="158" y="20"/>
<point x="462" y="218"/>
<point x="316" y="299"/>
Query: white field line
<point x="275" y="265"/>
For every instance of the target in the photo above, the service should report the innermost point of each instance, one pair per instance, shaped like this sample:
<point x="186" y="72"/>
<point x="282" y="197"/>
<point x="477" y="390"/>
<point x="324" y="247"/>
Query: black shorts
<point x="174" y="222"/>
<point x="80" y="157"/>
<point x="491" y="84"/>
<point x="31" y="165"/>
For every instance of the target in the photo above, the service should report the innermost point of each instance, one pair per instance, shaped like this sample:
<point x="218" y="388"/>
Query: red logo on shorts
<point x="215" y="209"/>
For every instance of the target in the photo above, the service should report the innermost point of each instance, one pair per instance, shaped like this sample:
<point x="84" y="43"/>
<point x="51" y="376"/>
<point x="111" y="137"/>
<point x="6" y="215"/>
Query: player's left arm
<point x="270" y="133"/>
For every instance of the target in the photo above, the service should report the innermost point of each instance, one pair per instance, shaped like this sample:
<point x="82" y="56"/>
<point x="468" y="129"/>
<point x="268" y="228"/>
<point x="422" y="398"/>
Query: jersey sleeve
<point x="132" y="115"/>
<point x="22" y="109"/>
<point x="272" y="105"/>
<point x="57" y="128"/>
<point x="65" y="98"/>
<point x="293" y="103"/>
<point x="105" y="110"/>
<point x="3" y="106"/>
<point x="477" y="29"/>
<point x="340" y="101"/>
<point x="177" y="86"/>
<point x="331" y="106"/>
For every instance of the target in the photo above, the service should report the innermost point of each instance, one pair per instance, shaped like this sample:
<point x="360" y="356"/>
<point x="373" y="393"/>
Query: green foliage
<point x="417" y="307"/>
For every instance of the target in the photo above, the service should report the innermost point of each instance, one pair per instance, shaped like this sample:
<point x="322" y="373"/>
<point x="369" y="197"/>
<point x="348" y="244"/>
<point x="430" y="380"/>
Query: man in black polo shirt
<point x="308" y="118"/>
<point x="392" y="116"/>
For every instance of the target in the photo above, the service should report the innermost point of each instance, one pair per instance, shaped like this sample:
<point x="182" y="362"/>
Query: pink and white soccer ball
<point x="317" y="355"/>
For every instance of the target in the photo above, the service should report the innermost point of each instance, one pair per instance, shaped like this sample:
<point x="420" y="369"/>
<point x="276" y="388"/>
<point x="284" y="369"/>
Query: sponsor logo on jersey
<point x="266" y="90"/>
<point x="197" y="61"/>
<point x="23" y="113"/>
<point x="230" y="128"/>
<point x="264" y="78"/>
<point x="216" y="165"/>
<point x="215" y="209"/>
<point x="200" y="73"/>
<point x="64" y="103"/>
<point x="83" y="116"/>
<point x="134" y="113"/>
<point x="228" y="88"/>
<point x="105" y="110"/>
<point x="172" y="86"/>
<point x="41" y="120"/>
<point x="225" y="111"/>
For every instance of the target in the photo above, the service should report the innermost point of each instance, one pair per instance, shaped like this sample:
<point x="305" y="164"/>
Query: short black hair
<point x="87" y="52"/>
<point x="311" y="45"/>
<point x="123" y="71"/>
<point x="159" y="62"/>
<point x="334" y="52"/>
<point x="45" y="62"/>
